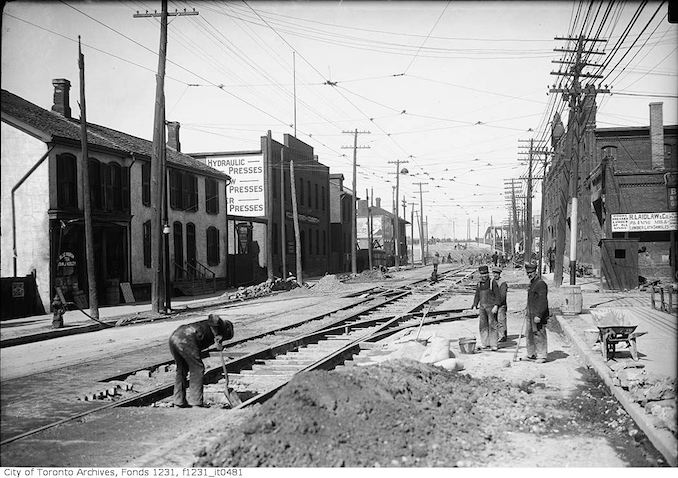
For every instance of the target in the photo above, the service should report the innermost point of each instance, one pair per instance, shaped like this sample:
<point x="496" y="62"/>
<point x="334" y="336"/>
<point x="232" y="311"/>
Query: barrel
<point x="572" y="300"/>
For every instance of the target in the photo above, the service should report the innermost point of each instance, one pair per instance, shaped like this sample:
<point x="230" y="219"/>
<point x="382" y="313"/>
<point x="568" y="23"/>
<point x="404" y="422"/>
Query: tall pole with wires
<point x="396" y="232"/>
<point x="421" y="218"/>
<point x="158" y="174"/>
<point x="86" y="203"/>
<point x="354" y="230"/>
<point x="574" y="95"/>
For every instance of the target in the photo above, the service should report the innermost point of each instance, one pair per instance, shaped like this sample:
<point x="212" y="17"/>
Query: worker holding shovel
<point x="185" y="344"/>
<point x="486" y="300"/>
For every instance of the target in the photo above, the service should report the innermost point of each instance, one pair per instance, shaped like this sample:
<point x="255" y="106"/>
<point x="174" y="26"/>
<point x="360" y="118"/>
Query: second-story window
<point x="146" y="183"/>
<point x="308" y="190"/>
<point x="67" y="181"/>
<point x="183" y="190"/>
<point x="211" y="196"/>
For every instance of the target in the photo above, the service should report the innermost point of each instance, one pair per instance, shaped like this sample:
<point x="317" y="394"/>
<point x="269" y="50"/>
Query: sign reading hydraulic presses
<point x="246" y="196"/>
<point x="645" y="221"/>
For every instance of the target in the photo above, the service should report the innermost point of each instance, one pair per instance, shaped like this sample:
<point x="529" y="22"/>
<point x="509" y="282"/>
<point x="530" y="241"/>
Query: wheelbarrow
<point x="610" y="335"/>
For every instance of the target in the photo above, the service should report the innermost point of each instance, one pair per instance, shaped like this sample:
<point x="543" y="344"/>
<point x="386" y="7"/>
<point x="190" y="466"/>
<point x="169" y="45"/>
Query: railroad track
<point x="257" y="375"/>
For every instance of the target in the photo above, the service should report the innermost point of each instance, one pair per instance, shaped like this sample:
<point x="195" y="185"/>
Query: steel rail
<point x="335" y="329"/>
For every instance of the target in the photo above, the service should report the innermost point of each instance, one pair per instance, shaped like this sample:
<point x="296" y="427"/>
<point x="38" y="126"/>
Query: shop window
<point x="212" y="246"/>
<point x="324" y="243"/>
<point x="317" y="242"/>
<point x="211" y="196"/>
<point x="310" y="242"/>
<point x="67" y="181"/>
<point x="147" y="243"/>
<point x="146" y="183"/>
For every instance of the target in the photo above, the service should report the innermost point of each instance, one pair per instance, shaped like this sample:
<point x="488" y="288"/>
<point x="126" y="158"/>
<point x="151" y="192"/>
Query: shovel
<point x="515" y="354"/>
<point x="231" y="396"/>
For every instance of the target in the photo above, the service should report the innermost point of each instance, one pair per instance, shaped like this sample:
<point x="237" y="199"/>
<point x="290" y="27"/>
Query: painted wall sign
<point x="246" y="193"/>
<point x="645" y="221"/>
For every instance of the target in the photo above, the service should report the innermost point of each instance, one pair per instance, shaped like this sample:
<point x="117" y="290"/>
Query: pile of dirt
<point x="327" y="284"/>
<point x="399" y="413"/>
<point x="261" y="289"/>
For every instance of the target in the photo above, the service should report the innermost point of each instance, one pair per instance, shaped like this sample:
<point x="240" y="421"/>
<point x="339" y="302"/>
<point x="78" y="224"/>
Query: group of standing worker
<point x="490" y="300"/>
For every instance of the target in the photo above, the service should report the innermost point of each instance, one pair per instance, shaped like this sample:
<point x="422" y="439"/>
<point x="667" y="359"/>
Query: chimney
<point x="377" y="202"/>
<point x="173" y="135"/>
<point x="657" y="135"/>
<point x="62" y="88"/>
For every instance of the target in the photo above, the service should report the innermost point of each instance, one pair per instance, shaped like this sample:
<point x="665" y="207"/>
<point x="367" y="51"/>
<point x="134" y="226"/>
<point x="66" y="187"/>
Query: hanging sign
<point x="246" y="194"/>
<point x="645" y="221"/>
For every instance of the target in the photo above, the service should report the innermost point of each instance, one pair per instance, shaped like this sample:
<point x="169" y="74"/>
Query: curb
<point x="662" y="440"/>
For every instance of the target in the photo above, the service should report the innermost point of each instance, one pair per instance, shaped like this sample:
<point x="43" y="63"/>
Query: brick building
<point x="341" y="202"/>
<point x="255" y="202"/>
<point x="624" y="171"/>
<point x="42" y="204"/>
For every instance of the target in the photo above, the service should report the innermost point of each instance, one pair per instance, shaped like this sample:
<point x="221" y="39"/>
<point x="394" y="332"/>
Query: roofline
<point x="223" y="153"/>
<point x="29" y="130"/>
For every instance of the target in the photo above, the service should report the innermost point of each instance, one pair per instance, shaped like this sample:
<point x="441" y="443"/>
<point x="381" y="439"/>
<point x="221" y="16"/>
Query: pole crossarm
<point x="175" y="13"/>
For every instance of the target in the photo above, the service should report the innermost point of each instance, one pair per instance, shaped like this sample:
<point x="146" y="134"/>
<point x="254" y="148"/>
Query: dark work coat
<point x="537" y="301"/>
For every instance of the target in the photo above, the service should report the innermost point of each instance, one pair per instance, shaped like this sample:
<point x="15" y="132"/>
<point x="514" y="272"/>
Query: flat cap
<point x="483" y="270"/>
<point x="529" y="267"/>
<point x="497" y="270"/>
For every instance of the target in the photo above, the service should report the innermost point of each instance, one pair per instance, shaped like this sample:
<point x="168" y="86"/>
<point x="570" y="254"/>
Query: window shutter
<point x="125" y="189"/>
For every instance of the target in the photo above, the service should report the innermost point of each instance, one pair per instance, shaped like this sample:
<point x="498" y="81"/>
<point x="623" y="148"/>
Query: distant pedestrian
<point x="552" y="259"/>
<point x="485" y="299"/>
<point x="435" y="262"/>
<point x="537" y="315"/>
<point x="495" y="256"/>
<point x="502" y="334"/>
<point x="185" y="344"/>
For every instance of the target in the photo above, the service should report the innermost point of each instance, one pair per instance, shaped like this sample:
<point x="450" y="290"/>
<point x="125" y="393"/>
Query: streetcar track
<point x="387" y="317"/>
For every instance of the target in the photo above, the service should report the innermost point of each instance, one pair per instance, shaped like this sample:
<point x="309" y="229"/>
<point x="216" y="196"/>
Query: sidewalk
<point x="39" y="327"/>
<point x="656" y="350"/>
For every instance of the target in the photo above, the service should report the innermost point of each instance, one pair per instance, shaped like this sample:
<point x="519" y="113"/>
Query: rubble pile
<point x="399" y="413"/>
<point x="656" y="394"/>
<point x="262" y="289"/>
<point x="328" y="283"/>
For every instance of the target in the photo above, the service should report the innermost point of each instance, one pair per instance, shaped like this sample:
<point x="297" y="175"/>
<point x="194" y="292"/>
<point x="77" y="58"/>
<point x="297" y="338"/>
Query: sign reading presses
<point x="246" y="194"/>
<point x="645" y="221"/>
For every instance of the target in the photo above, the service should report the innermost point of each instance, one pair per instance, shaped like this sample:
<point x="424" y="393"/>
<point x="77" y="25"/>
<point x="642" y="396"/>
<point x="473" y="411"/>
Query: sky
<point x="451" y="89"/>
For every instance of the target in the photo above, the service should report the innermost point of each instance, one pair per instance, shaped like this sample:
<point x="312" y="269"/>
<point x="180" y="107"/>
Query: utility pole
<point x="421" y="218"/>
<point x="158" y="173"/>
<point x="354" y="231"/>
<point x="478" y="231"/>
<point x="542" y="215"/>
<point x="412" y="232"/>
<point x="295" y="221"/>
<point x="283" y="232"/>
<point x="396" y="234"/>
<point x="369" y="227"/>
<point x="86" y="201"/>
<point x="574" y="96"/>
<point x="493" y="234"/>
<point x="405" y="227"/>
<point x="528" y="204"/>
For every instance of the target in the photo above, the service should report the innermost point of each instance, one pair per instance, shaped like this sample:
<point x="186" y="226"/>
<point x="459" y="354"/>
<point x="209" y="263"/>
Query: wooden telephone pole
<point x="396" y="232"/>
<point x="159" y="290"/>
<point x="354" y="231"/>
<point x="421" y="218"/>
<point x="574" y="95"/>
<point x="86" y="201"/>
<point x="532" y="151"/>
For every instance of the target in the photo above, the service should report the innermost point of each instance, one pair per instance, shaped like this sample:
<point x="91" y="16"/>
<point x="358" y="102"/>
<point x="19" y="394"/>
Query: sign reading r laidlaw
<point x="645" y="221"/>
<point x="246" y="192"/>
